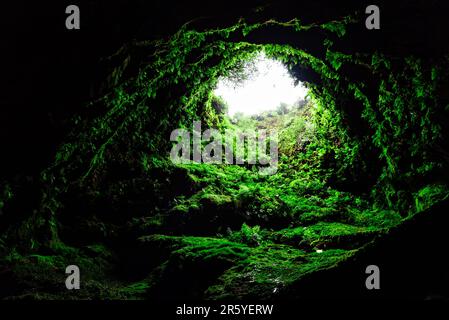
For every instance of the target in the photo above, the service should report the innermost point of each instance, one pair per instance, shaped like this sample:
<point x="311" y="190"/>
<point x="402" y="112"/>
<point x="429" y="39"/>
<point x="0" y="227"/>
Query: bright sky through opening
<point x="265" y="90"/>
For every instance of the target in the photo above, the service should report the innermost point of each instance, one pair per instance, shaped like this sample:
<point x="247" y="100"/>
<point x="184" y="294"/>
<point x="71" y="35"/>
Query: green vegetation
<point x="224" y="231"/>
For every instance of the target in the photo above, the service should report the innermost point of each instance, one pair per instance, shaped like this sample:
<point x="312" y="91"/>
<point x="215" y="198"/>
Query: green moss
<point x="216" y="199"/>
<point x="338" y="235"/>
<point x="430" y="195"/>
<point x="251" y="236"/>
<point x="270" y="269"/>
<point x="377" y="218"/>
<point x="290" y="236"/>
<point x="200" y="248"/>
<point x="134" y="291"/>
<point x="42" y="276"/>
<point x="212" y="249"/>
<point x="181" y="208"/>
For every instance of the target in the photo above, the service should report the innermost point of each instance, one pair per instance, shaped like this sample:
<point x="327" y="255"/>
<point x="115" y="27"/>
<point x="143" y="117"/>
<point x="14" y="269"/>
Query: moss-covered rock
<point x="192" y="264"/>
<point x="41" y="276"/>
<point x="269" y="270"/>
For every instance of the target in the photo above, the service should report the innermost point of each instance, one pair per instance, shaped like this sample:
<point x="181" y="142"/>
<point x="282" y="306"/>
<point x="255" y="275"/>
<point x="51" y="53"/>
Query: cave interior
<point x="362" y="174"/>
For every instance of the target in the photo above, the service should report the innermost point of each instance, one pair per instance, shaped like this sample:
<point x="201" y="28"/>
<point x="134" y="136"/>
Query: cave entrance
<point x="258" y="85"/>
<point x="260" y="92"/>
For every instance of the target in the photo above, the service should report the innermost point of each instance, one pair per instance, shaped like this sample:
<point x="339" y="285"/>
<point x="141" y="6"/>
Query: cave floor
<point x="231" y="234"/>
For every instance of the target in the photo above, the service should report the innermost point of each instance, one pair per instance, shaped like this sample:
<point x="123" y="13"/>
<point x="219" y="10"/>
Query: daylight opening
<point x="262" y="84"/>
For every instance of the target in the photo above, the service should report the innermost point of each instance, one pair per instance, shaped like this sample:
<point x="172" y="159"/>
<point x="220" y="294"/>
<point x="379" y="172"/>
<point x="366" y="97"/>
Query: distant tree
<point x="258" y="117"/>
<point x="219" y="104"/>
<point x="282" y="108"/>
<point x="300" y="103"/>
<point x="242" y="71"/>
<point x="238" y="116"/>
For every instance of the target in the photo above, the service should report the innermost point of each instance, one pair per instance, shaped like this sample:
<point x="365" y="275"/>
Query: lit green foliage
<point x="6" y="195"/>
<point x="429" y="195"/>
<point x="43" y="276"/>
<point x="269" y="270"/>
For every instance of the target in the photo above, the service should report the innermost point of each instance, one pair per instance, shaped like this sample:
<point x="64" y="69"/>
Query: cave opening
<point x="261" y="84"/>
